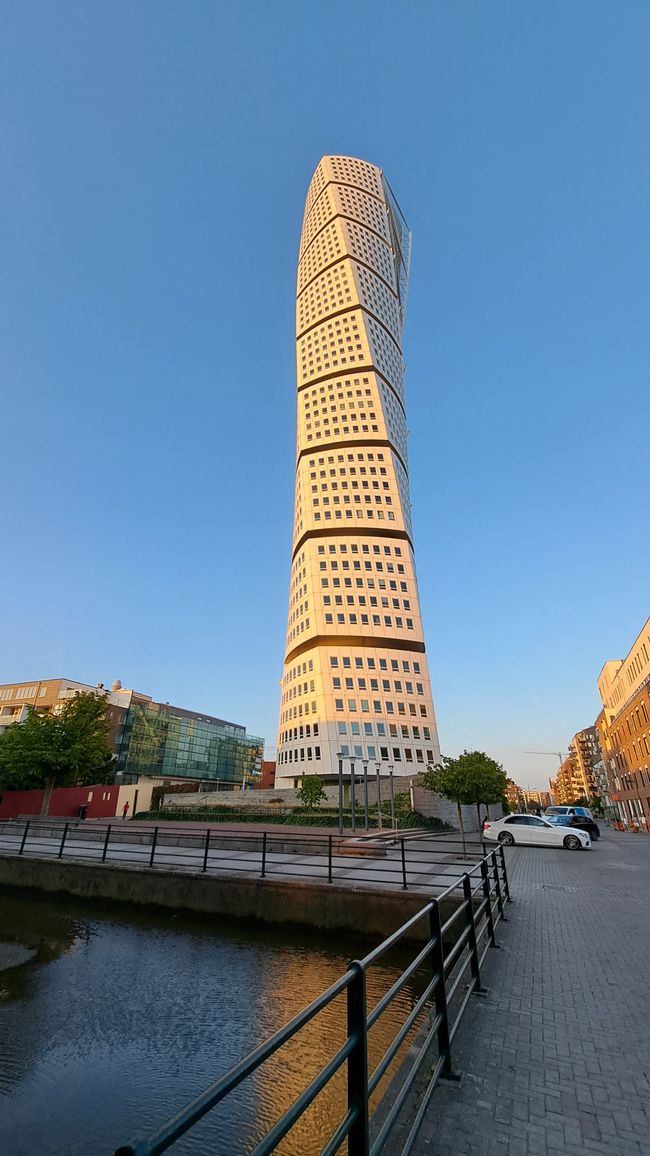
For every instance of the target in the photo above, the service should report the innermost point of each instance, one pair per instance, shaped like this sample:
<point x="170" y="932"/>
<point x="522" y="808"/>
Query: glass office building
<point x="167" y="742"/>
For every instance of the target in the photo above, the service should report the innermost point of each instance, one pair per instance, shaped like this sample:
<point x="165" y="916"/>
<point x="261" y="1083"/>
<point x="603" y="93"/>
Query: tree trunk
<point x="478" y="812"/>
<point x="462" y="829"/>
<point x="47" y="795"/>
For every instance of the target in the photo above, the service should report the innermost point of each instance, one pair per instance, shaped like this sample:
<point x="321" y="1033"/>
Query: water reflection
<point x="126" y="1015"/>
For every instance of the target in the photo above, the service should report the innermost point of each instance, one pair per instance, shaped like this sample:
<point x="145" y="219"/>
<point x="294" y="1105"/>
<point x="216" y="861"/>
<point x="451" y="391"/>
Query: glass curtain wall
<point x="158" y="743"/>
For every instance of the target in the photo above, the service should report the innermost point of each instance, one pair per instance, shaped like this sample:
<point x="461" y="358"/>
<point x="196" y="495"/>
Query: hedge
<point x="406" y="820"/>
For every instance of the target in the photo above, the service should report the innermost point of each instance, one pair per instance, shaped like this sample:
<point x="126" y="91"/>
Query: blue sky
<point x="155" y="159"/>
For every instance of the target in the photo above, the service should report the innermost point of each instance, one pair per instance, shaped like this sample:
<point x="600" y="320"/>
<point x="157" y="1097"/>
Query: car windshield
<point x="561" y="820"/>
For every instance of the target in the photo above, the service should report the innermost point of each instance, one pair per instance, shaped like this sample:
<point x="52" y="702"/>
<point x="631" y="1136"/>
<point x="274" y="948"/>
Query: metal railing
<point x="409" y="860"/>
<point x="374" y="1103"/>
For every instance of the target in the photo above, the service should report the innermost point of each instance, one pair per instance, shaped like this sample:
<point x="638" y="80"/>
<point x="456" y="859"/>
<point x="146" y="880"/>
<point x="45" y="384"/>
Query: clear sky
<point x="155" y="160"/>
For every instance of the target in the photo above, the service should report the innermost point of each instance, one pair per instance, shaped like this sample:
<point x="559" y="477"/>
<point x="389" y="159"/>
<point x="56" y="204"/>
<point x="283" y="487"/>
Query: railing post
<point x="487" y="893"/>
<point x="506" y="885"/>
<point x="264" y="855"/>
<point x="63" y="837"/>
<point x="404" y="882"/>
<point x="206" y="850"/>
<point x="471" y="927"/>
<point x="153" y="846"/>
<point x="440" y="990"/>
<point x="359" y="1134"/>
<point x="497" y="885"/>
<point x="24" y="838"/>
<point x="105" y="850"/>
<point x="329" y="858"/>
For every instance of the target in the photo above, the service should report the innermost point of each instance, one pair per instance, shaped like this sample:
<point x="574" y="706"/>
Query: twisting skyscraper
<point x="355" y="673"/>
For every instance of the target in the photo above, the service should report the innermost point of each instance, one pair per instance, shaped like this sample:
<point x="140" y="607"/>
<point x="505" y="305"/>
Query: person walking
<point x="125" y="809"/>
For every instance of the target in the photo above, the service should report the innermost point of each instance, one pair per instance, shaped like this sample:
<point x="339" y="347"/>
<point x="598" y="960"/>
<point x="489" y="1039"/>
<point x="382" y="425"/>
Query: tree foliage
<point x="471" y="778"/>
<point x="311" y="791"/>
<point x="66" y="748"/>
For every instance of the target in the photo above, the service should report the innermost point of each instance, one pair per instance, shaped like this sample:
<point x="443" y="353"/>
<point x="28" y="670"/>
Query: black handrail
<point x="368" y="1128"/>
<point x="402" y="861"/>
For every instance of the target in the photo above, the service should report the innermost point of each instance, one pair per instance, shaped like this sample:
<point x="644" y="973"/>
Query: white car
<point x="529" y="829"/>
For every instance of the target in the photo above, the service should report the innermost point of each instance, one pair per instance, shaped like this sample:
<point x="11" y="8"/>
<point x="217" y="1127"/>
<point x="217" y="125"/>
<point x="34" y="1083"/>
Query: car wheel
<point x="572" y="843"/>
<point x="506" y="838"/>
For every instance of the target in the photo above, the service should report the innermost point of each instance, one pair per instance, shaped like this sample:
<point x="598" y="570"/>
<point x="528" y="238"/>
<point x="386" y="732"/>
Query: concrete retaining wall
<point x="435" y="807"/>
<point x="327" y="907"/>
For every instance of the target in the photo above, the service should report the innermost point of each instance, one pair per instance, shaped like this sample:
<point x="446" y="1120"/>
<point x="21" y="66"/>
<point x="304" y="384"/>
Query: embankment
<point x="326" y="906"/>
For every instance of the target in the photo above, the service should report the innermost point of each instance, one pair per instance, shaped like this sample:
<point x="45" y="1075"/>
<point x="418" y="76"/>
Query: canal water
<point x="120" y="1016"/>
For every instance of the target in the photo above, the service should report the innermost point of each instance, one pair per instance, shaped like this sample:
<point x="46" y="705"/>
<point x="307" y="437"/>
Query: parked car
<point x="579" y="821"/>
<point x="572" y="810"/>
<point x="528" y="829"/>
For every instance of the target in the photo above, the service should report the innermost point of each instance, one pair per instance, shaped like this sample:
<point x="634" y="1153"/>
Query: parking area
<point x="555" y="1058"/>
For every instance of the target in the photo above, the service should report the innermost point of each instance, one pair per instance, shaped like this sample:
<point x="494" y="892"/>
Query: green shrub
<point x="406" y="819"/>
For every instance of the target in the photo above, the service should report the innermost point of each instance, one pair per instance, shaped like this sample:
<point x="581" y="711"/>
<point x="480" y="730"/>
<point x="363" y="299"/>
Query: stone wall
<point x="325" y="906"/>
<point x="278" y="796"/>
<point x="434" y="806"/>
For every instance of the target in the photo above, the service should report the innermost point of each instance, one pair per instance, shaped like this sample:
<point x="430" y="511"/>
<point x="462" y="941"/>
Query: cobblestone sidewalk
<point x="556" y="1058"/>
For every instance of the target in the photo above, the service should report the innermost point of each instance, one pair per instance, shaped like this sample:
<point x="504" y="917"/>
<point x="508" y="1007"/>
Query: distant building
<point x="515" y="796"/>
<point x="150" y="739"/>
<point x="566" y="786"/>
<point x="624" y="728"/>
<point x="266" y="781"/>
<point x="541" y="799"/>
<point x="586" y="753"/>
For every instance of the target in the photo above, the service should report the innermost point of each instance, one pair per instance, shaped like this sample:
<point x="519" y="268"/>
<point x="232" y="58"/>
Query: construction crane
<point x="558" y="754"/>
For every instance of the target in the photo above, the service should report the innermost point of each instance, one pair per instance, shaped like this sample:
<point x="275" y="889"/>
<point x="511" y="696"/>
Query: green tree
<point x="67" y="748"/>
<point x="310" y="791"/>
<point x="471" y="778"/>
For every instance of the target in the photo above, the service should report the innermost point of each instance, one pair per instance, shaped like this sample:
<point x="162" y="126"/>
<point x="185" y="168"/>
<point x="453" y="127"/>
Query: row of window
<point x="356" y="498"/>
<point x="21" y="692"/>
<point x="296" y="690"/>
<point x="356" y="751"/>
<point x="379" y="707"/>
<point x="297" y="711"/>
<point x="332" y="563"/>
<point x="362" y="512"/>
<point x="390" y="621"/>
<point x="356" y="730"/>
<point x="361" y="663"/>
<point x="383" y="601"/>
<point x="406" y="688"/>
<point x="385" y="621"/>
<point x="371" y="663"/>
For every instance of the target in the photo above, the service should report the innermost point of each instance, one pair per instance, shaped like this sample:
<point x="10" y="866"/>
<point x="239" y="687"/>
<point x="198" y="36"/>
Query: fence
<point x="449" y="967"/>
<point x="407" y="861"/>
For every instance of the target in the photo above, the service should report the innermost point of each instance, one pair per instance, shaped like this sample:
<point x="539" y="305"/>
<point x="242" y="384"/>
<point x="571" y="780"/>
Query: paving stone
<point x="556" y="1057"/>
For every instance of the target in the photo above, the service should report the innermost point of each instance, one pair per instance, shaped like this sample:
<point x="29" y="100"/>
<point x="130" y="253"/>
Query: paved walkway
<point x="556" y="1059"/>
<point x="430" y="864"/>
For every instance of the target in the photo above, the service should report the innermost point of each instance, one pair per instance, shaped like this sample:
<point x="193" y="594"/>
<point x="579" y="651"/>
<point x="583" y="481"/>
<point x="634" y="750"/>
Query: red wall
<point x="64" y="802"/>
<point x="267" y="779"/>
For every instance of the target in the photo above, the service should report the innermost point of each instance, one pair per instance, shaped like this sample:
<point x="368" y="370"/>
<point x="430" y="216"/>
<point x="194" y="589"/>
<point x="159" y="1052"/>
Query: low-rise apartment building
<point x="150" y="739"/>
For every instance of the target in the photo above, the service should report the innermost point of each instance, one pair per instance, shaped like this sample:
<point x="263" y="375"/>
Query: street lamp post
<point x="353" y="801"/>
<point x="377" y="766"/>
<point x="392" y="798"/>
<point x="365" y="794"/>
<point x="340" y="758"/>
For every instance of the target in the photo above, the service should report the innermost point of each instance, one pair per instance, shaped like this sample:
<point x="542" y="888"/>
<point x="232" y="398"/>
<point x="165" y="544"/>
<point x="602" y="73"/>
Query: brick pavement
<point x="556" y="1058"/>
